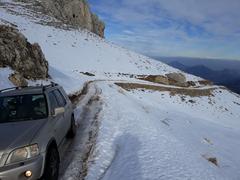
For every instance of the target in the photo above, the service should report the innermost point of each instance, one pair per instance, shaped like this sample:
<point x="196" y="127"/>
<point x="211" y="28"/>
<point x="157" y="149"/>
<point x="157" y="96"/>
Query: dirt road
<point x="75" y="153"/>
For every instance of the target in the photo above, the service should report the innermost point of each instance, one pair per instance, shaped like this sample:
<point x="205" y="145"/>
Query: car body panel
<point x="42" y="132"/>
<point x="16" y="135"/>
<point x="16" y="172"/>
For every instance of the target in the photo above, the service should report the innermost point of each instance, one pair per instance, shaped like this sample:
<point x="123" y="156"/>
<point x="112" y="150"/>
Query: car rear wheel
<point x="73" y="129"/>
<point x="51" y="169"/>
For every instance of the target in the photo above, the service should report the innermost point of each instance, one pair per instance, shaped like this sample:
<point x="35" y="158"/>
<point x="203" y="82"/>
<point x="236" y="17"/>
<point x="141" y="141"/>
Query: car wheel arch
<point x="51" y="144"/>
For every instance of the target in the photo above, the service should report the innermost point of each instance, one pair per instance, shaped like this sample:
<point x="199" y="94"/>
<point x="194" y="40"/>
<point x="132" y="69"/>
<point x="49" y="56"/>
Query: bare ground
<point x="192" y="92"/>
<point x="76" y="153"/>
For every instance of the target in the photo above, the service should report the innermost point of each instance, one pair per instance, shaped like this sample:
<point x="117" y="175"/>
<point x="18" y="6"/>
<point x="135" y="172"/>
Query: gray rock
<point x="155" y="79"/>
<point x="177" y="79"/>
<point x="162" y="80"/>
<point x="23" y="57"/>
<point x="98" y="25"/>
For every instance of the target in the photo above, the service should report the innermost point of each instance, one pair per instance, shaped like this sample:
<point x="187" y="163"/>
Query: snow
<point x="154" y="136"/>
<point x="4" y="82"/>
<point x="143" y="134"/>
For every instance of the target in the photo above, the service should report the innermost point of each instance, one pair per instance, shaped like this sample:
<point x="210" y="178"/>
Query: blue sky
<point x="188" y="28"/>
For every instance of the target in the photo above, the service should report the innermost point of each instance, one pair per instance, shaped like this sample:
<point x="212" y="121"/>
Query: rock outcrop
<point x="24" y="58"/>
<point x="74" y="12"/>
<point x="155" y="78"/>
<point x="177" y="79"/>
<point x="17" y="79"/>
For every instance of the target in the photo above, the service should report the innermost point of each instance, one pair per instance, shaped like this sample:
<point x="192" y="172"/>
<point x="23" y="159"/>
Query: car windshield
<point x="22" y="108"/>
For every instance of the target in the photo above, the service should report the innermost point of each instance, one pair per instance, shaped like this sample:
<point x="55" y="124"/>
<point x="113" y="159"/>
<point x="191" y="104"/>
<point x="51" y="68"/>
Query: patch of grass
<point x="173" y="91"/>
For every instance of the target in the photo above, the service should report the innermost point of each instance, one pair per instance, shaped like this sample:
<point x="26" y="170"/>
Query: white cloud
<point x="191" y="27"/>
<point x="217" y="16"/>
<point x="128" y="32"/>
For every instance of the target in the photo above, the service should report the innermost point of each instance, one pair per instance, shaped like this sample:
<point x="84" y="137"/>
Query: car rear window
<point x="56" y="100"/>
<point x="61" y="100"/>
<point x="22" y="108"/>
<point x="53" y="102"/>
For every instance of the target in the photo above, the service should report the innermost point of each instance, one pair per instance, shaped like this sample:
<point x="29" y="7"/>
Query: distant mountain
<point x="178" y="65"/>
<point x="200" y="70"/>
<point x="234" y="85"/>
<point x="226" y="77"/>
<point x="214" y="64"/>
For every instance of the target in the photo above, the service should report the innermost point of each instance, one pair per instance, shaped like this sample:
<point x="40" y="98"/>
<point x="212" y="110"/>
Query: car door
<point x="67" y="116"/>
<point x="56" y="121"/>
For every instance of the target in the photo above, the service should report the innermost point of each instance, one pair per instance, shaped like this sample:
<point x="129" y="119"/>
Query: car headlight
<point x="22" y="154"/>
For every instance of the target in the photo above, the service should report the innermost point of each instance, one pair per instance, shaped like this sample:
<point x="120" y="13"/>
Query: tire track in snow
<point x="76" y="153"/>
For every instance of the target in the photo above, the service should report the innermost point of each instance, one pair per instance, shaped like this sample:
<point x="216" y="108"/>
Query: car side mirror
<point x="58" y="111"/>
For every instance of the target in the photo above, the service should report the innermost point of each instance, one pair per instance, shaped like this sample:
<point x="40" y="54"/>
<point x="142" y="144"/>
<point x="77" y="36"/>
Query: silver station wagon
<point x="33" y="123"/>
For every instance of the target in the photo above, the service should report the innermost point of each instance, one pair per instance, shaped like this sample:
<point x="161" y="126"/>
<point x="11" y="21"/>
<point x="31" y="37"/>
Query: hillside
<point x="71" y="51"/>
<point x="132" y="125"/>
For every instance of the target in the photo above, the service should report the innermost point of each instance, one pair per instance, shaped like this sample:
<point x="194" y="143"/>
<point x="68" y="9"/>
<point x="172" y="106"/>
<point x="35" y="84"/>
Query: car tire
<point x="51" y="169"/>
<point x="73" y="128"/>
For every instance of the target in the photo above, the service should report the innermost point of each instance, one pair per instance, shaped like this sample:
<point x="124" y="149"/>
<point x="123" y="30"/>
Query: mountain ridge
<point x="76" y="13"/>
<point x="226" y="77"/>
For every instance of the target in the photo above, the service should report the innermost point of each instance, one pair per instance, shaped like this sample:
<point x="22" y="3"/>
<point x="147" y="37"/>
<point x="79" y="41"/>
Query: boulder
<point x="191" y="83"/>
<point x="25" y="58"/>
<point x="177" y="79"/>
<point x="162" y="80"/>
<point x="155" y="79"/>
<point x="205" y="82"/>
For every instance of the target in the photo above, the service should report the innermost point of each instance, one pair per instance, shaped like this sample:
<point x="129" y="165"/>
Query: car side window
<point x="53" y="102"/>
<point x="60" y="98"/>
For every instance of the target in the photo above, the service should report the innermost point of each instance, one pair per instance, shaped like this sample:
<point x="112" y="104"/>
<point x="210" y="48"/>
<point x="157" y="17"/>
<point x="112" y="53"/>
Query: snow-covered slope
<point x="71" y="51"/>
<point x="159" y="133"/>
<point x="158" y="136"/>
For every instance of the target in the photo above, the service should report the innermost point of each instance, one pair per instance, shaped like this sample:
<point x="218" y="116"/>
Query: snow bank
<point x="157" y="136"/>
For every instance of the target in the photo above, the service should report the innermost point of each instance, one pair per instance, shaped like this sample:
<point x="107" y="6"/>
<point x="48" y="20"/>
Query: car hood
<point x="18" y="134"/>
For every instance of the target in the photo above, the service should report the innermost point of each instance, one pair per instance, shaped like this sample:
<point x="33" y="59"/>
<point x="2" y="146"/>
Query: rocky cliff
<point x="27" y="60"/>
<point x="74" y="12"/>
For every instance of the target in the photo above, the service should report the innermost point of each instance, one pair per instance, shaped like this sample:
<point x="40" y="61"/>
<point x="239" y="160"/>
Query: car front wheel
<point x="51" y="169"/>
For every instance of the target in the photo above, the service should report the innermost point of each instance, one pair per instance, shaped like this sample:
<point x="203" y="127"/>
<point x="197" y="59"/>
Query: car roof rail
<point x="13" y="88"/>
<point x="53" y="84"/>
<point x="44" y="87"/>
